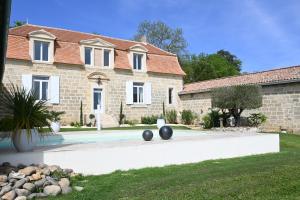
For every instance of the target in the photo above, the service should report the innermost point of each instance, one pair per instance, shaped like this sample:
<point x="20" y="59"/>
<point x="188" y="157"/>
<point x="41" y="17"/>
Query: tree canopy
<point x="161" y="35"/>
<point x="18" y="23"/>
<point x="206" y="66"/>
<point x="232" y="59"/>
<point x="236" y="99"/>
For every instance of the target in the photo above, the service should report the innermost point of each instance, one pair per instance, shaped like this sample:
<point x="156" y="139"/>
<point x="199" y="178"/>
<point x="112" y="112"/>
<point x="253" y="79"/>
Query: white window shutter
<point x="54" y="89"/>
<point x="27" y="82"/>
<point x="129" y="92"/>
<point x="147" y="94"/>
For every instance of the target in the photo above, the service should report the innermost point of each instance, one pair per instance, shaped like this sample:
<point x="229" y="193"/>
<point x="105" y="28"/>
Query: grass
<point x="120" y="128"/>
<point x="269" y="176"/>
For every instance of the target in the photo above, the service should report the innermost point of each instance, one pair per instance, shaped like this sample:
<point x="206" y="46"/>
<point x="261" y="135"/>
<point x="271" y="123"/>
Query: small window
<point x="88" y="56"/>
<point x="170" y="95"/>
<point x="138" y="93"/>
<point x="97" y="97"/>
<point x="40" y="87"/>
<point x="106" y="58"/>
<point x="41" y="50"/>
<point x="137" y="61"/>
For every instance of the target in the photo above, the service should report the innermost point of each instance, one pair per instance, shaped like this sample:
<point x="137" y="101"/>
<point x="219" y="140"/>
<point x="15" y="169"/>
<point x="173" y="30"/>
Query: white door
<point x="98" y="99"/>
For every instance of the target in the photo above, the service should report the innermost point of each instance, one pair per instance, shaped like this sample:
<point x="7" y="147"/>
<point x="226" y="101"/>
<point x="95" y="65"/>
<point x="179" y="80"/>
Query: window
<point x="138" y="93"/>
<point x="97" y="97"/>
<point x="137" y="61"/>
<point x="88" y="55"/>
<point x="106" y="57"/>
<point x="170" y="95"/>
<point x="40" y="87"/>
<point x="41" y="50"/>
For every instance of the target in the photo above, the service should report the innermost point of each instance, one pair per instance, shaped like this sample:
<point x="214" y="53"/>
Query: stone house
<point x="68" y="67"/>
<point x="281" y="96"/>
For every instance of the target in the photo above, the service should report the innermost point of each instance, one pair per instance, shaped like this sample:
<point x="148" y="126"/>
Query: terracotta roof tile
<point x="67" y="49"/>
<point x="265" y="77"/>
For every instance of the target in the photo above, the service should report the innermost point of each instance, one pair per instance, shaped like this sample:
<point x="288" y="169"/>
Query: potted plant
<point x="27" y="115"/>
<point x="160" y="122"/>
<point x="55" y="120"/>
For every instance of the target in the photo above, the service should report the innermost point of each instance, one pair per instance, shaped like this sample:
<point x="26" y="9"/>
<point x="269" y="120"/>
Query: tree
<point x="232" y="59"/>
<point x="161" y="35"/>
<point x="206" y="66"/>
<point x="18" y="23"/>
<point x="236" y="99"/>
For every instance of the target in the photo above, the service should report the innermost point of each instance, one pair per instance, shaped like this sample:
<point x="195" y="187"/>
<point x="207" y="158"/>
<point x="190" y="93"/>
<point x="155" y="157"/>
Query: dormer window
<point x="137" y="61"/>
<point x="41" y="46"/>
<point x="106" y="54"/>
<point x="88" y="56"/>
<point x="41" y="50"/>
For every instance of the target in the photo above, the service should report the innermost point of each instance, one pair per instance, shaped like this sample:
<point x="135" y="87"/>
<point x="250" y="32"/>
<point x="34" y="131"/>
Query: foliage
<point x="232" y="59"/>
<point x="18" y="23"/>
<point x="75" y="124"/>
<point x="26" y="111"/>
<point x="131" y="122"/>
<point x="171" y="116"/>
<point x="235" y="99"/>
<point x="59" y="174"/>
<point x="55" y="116"/>
<point x="187" y="117"/>
<point x="81" y="114"/>
<point x="149" y="119"/>
<point x="121" y="115"/>
<point x="212" y="119"/>
<point x="162" y="36"/>
<point x="256" y="119"/>
<point x="91" y="116"/>
<point x="6" y="124"/>
<point x="206" y="66"/>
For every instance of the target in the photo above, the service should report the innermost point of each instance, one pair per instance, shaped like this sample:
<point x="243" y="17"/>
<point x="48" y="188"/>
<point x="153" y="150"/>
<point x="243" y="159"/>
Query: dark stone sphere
<point x="165" y="132"/>
<point x="147" y="135"/>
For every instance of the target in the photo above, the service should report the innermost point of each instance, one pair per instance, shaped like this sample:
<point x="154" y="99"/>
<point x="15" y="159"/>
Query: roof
<point x="67" y="49"/>
<point x="274" y="76"/>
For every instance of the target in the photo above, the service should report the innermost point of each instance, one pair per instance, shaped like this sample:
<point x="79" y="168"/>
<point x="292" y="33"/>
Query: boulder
<point x="68" y="171"/>
<point x="40" y="183"/>
<point x="5" y="189"/>
<point x="78" y="188"/>
<point x="54" y="168"/>
<point x="51" y="180"/>
<point x="3" y="178"/>
<point x="35" y="177"/>
<point x="64" y="182"/>
<point x="21" y="166"/>
<point x="66" y="190"/>
<point x="16" y="175"/>
<point x="29" y="186"/>
<point x="52" y="190"/>
<point x="21" y="198"/>
<point x="20" y="183"/>
<point x="22" y="192"/>
<point x="46" y="171"/>
<point x="9" y="195"/>
<point x="28" y="170"/>
<point x="36" y="195"/>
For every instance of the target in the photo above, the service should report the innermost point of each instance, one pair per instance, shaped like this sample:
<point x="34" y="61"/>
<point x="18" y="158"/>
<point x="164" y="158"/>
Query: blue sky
<point x="264" y="34"/>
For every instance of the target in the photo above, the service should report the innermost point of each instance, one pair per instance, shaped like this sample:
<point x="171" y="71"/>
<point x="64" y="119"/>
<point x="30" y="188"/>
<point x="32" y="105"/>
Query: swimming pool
<point x="97" y="137"/>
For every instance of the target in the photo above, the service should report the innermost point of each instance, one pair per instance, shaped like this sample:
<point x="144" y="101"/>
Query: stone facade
<point x="281" y="105"/>
<point x="76" y="85"/>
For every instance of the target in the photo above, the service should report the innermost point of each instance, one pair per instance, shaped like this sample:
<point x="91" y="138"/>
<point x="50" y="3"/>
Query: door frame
<point x="102" y="110"/>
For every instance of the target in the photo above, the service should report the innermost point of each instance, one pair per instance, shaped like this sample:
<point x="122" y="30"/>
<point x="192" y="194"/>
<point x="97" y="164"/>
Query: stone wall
<point x="281" y="104"/>
<point x="76" y="86"/>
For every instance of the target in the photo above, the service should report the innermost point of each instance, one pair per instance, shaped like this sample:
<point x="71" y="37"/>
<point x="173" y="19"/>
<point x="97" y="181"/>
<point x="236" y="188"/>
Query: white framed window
<point x="40" y="86"/>
<point x="88" y="55"/>
<point x="106" y="58"/>
<point x="97" y="96"/>
<point x="41" y="51"/>
<point x="170" y="96"/>
<point x="138" y="93"/>
<point x="137" y="61"/>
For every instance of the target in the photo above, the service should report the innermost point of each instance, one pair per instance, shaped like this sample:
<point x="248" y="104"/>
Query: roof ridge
<point x="251" y="73"/>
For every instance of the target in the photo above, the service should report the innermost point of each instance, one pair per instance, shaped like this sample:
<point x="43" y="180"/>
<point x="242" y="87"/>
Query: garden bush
<point x="211" y="119"/>
<point x="187" y="117"/>
<point x="149" y="119"/>
<point x="171" y="116"/>
<point x="256" y="119"/>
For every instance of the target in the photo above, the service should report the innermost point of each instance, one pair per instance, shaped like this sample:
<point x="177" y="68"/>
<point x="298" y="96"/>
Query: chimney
<point x="143" y="39"/>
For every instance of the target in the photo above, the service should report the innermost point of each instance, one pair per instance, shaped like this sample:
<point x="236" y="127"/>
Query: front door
<point x="97" y="99"/>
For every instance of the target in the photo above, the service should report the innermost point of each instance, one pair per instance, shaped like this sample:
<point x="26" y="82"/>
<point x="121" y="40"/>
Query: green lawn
<point x="120" y="128"/>
<point x="270" y="176"/>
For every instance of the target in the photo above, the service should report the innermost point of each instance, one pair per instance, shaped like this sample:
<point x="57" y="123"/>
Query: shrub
<point x="149" y="119"/>
<point x="256" y="119"/>
<point x="131" y="122"/>
<point x="171" y="116"/>
<point x="75" y="124"/>
<point x="207" y="122"/>
<point x="187" y="117"/>
<point x="55" y="116"/>
<point x="211" y="119"/>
